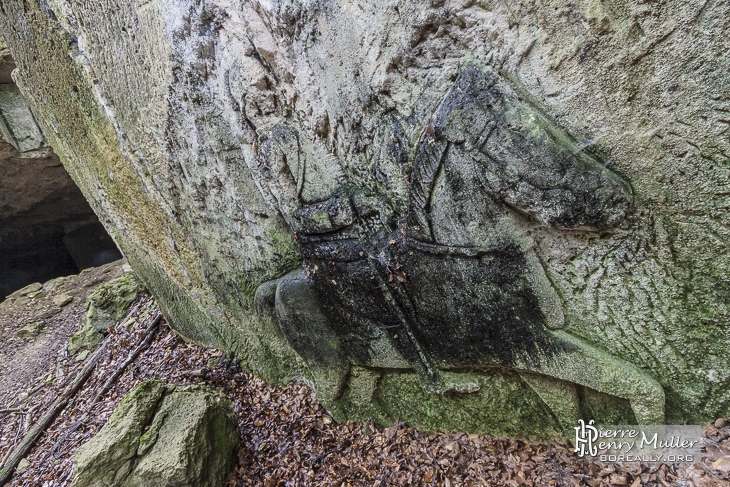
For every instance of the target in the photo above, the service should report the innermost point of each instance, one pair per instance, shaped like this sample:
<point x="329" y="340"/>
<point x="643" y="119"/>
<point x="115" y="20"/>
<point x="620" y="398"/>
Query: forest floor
<point x="287" y="438"/>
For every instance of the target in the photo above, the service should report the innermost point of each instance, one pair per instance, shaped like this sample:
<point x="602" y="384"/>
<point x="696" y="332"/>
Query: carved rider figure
<point x="452" y="283"/>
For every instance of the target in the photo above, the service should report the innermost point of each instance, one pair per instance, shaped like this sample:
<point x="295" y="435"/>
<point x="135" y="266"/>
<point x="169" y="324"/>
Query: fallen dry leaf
<point x="722" y="464"/>
<point x="287" y="438"/>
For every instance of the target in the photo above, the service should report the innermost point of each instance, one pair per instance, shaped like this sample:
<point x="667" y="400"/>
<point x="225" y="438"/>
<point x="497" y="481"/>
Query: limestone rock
<point x="82" y="356"/>
<point x="53" y="284"/>
<point x="62" y="300"/>
<point x="48" y="228"/>
<point x="104" y="308"/>
<point x="32" y="330"/>
<point x="18" y="126"/>
<point x="23" y="465"/>
<point x="48" y="313"/>
<point x="30" y="288"/>
<point x="162" y="435"/>
<point x="373" y="199"/>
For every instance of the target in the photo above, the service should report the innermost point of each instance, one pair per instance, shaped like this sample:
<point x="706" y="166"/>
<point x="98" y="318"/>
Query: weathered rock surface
<point x="162" y="435"/>
<point x="464" y="214"/>
<point x="104" y="308"/>
<point x="46" y="226"/>
<point x="62" y="300"/>
<point x="32" y="330"/>
<point x="24" y="291"/>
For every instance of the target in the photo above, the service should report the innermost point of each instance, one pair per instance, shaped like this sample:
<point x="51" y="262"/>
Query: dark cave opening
<point x="52" y="253"/>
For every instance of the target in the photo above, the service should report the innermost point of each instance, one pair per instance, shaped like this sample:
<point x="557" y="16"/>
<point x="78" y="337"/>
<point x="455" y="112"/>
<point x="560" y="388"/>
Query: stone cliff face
<point x="467" y="214"/>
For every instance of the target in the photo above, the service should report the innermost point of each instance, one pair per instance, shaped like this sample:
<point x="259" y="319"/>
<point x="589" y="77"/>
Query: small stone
<point x="22" y="300"/>
<point x="94" y="282"/>
<point x="7" y="303"/>
<point x="38" y="295"/>
<point x="127" y="269"/>
<point x="30" y="331"/>
<point x="62" y="300"/>
<point x="30" y="288"/>
<point x="23" y="465"/>
<point x="82" y="356"/>
<point x="461" y="383"/>
<point x="213" y="362"/>
<point x="48" y="314"/>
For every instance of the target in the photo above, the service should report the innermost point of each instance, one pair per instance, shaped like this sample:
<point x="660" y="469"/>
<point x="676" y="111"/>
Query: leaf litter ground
<point x="287" y="439"/>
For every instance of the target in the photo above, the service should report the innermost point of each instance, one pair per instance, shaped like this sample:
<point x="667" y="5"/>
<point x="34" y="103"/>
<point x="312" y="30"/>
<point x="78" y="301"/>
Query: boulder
<point x="165" y="436"/>
<point x="104" y="308"/>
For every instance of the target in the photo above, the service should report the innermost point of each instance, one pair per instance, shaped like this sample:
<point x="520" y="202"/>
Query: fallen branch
<point x="131" y="312"/>
<point x="29" y="413"/>
<point x="16" y="410"/>
<point x="10" y="448"/>
<point x="35" y="389"/>
<point x="196" y="373"/>
<point x="143" y="345"/>
<point x="57" y="445"/>
<point x="13" y="409"/>
<point x="20" y="451"/>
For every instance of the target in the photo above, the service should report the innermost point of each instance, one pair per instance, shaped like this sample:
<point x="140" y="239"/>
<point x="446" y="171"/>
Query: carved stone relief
<point x="452" y="282"/>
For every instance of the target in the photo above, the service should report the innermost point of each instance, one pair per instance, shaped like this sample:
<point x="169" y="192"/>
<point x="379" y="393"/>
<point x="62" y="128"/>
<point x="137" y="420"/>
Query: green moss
<point x="148" y="388"/>
<point x="283" y="241"/>
<point x="503" y="405"/>
<point x="104" y="308"/>
<point x="605" y="409"/>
